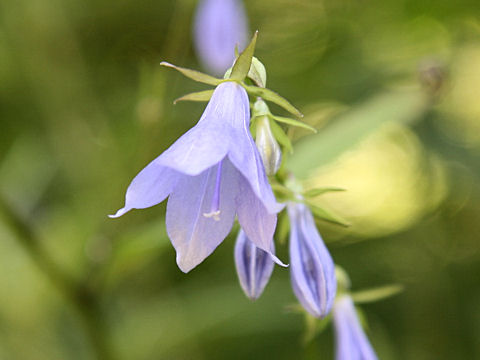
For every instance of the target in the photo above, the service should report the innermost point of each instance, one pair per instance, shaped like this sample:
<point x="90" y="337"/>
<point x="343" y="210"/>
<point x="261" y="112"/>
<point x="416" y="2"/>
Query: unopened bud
<point x="254" y="266"/>
<point x="268" y="147"/>
<point x="312" y="270"/>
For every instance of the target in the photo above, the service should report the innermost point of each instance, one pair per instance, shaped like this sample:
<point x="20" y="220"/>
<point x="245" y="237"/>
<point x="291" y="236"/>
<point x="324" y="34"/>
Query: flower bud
<point x="312" y="270"/>
<point x="268" y="147"/>
<point x="219" y="26"/>
<point x="254" y="266"/>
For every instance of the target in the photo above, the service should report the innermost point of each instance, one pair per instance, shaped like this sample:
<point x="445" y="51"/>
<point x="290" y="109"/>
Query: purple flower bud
<point x="312" y="269"/>
<point x="219" y="26"/>
<point x="254" y="266"/>
<point x="351" y="341"/>
<point x="211" y="174"/>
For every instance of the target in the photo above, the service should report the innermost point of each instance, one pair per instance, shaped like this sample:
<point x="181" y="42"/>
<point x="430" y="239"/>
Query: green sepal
<point x="272" y="96"/>
<point x="280" y="135"/>
<point x="314" y="326"/>
<point x="257" y="73"/>
<point x="327" y="215"/>
<point x="194" y="75"/>
<point x="283" y="192"/>
<point x="319" y="191"/>
<point x="376" y="294"/>
<point x="196" y="96"/>
<point x="253" y="127"/>
<point x="343" y="280"/>
<point x="293" y="122"/>
<point x="242" y="64"/>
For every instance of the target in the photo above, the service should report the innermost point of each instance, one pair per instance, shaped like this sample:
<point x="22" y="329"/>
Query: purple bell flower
<point x="219" y="26"/>
<point x="312" y="270"/>
<point x="211" y="173"/>
<point x="351" y="341"/>
<point x="254" y="266"/>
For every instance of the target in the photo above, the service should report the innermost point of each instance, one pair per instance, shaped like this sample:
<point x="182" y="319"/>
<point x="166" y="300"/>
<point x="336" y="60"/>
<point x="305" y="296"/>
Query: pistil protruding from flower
<point x="215" y="207"/>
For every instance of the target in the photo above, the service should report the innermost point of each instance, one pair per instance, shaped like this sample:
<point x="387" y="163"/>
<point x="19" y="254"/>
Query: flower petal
<point x="351" y="341"/>
<point x="254" y="266"/>
<point x="219" y="26"/>
<point x="208" y="142"/>
<point x="194" y="235"/>
<point x="244" y="155"/>
<point x="312" y="267"/>
<point x="150" y="187"/>
<point x="258" y="224"/>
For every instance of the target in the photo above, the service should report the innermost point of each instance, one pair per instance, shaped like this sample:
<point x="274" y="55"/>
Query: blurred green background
<point x="394" y="88"/>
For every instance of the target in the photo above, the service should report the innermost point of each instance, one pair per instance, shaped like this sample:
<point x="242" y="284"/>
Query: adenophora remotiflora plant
<point x="227" y="167"/>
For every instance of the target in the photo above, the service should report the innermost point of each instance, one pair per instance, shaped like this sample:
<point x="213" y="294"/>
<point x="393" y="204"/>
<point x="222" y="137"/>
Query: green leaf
<point x="327" y="215"/>
<point x="194" y="75"/>
<point x="319" y="191"/>
<point x="349" y="128"/>
<point x="272" y="96"/>
<point x="280" y="136"/>
<point x="242" y="64"/>
<point x="196" y="96"/>
<point x="376" y="294"/>
<point x="293" y="122"/>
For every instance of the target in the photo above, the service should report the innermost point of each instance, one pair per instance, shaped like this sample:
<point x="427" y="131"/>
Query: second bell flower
<point x="312" y="270"/>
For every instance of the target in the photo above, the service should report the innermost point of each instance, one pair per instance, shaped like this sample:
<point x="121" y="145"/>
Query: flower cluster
<point x="218" y="172"/>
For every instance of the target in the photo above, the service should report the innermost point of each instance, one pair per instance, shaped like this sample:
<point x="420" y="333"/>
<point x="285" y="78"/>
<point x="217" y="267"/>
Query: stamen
<point x="215" y="208"/>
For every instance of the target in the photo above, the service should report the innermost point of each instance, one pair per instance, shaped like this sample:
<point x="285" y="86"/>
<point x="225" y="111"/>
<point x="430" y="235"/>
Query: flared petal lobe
<point x="150" y="187"/>
<point x="254" y="266"/>
<point x="194" y="233"/>
<point x="312" y="270"/>
<point x="351" y="341"/>
<point x="219" y="26"/>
